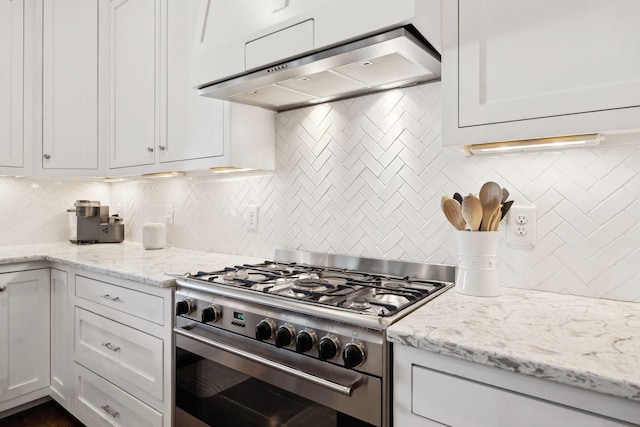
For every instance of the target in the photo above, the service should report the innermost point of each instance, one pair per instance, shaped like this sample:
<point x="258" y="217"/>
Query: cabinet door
<point x="24" y="332"/>
<point x="11" y="82"/>
<point x="133" y="124"/>
<point x="61" y="332"/>
<point x="70" y="85"/>
<point x="194" y="124"/>
<point x="522" y="60"/>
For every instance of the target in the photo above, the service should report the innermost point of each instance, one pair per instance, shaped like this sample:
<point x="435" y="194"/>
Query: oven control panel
<point x="354" y="347"/>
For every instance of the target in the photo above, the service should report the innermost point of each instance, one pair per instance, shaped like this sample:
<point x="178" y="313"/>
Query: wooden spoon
<point x="472" y="212"/>
<point x="453" y="211"/>
<point x="490" y="197"/>
<point x="495" y="219"/>
<point x="442" y="200"/>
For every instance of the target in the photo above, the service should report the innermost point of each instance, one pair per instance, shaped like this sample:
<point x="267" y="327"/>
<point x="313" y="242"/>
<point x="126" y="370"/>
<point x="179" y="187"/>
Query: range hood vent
<point x="393" y="59"/>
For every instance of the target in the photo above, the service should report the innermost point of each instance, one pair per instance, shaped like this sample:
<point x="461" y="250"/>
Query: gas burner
<point x="359" y="304"/>
<point x="392" y="299"/>
<point x="310" y="285"/>
<point x="235" y="274"/>
<point x="392" y="284"/>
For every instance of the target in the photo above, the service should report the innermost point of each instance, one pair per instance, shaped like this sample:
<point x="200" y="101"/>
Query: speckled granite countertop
<point x="125" y="260"/>
<point x="585" y="342"/>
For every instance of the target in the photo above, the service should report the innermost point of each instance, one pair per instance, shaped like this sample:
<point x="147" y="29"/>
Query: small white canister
<point x="154" y="235"/>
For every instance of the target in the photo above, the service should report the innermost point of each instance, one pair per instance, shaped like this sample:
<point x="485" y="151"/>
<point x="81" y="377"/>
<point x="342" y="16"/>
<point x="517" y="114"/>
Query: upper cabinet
<point x="133" y="82"/>
<point x="95" y="86"/>
<point x="11" y="85"/>
<point x="49" y="87"/>
<point x="157" y="121"/>
<point x="69" y="88"/>
<point x="523" y="70"/>
<point x="193" y="123"/>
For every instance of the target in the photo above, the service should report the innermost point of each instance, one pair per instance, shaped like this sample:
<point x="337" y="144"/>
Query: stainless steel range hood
<point x="395" y="58"/>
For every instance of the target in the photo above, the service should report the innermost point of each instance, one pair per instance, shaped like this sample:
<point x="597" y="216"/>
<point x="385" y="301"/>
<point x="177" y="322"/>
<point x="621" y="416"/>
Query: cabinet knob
<point x="150" y="149"/>
<point x="47" y="156"/>
<point x="2" y="288"/>
<point x="161" y="147"/>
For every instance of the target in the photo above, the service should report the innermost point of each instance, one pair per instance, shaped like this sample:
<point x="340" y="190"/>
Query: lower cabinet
<point x="436" y="390"/>
<point x="107" y="405"/>
<point x="131" y="358"/>
<point x="122" y="352"/>
<point x="24" y="335"/>
<point x="61" y="334"/>
<point x="100" y="346"/>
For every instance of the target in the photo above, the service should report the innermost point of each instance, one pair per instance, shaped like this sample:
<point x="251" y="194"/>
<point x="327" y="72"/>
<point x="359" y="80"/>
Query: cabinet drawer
<point x="125" y="356"/>
<point x="107" y="405"/>
<point x="451" y="400"/>
<point x="139" y="304"/>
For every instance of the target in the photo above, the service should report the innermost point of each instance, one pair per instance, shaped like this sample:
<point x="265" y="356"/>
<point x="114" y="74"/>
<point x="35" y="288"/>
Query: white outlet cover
<point x="520" y="217"/>
<point x="252" y="218"/>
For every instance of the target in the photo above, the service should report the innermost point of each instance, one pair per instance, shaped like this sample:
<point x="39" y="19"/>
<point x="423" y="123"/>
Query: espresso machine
<point x="95" y="225"/>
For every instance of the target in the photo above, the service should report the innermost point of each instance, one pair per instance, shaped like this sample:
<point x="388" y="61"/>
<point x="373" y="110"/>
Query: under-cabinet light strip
<point x="570" y="141"/>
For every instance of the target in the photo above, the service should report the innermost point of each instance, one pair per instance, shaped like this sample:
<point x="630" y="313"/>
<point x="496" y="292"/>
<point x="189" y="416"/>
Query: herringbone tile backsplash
<point x="35" y="210"/>
<point x="365" y="177"/>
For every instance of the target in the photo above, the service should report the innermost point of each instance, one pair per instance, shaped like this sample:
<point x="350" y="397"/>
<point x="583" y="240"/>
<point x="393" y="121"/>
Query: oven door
<point x="224" y="379"/>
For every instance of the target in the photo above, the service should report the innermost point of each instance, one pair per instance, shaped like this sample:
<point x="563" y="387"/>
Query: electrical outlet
<point x="252" y="218"/>
<point x="522" y="225"/>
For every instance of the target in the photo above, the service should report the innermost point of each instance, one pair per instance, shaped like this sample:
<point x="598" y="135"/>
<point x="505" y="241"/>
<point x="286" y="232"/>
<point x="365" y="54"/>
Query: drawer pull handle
<point x="110" y="346"/>
<point x="110" y="411"/>
<point x="110" y="298"/>
<point x="2" y="288"/>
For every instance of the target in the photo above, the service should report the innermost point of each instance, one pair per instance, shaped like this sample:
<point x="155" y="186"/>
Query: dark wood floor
<point x="48" y="414"/>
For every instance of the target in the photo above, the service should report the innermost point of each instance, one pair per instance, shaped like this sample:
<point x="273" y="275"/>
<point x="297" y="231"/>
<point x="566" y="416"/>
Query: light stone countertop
<point x="126" y="260"/>
<point x="585" y="342"/>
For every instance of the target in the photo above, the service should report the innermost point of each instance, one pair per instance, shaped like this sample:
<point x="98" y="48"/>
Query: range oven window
<point x="221" y="397"/>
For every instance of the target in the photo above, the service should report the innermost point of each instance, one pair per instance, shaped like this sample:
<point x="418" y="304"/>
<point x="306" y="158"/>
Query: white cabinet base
<point x="100" y="403"/>
<point x="436" y="390"/>
<point x="24" y="332"/>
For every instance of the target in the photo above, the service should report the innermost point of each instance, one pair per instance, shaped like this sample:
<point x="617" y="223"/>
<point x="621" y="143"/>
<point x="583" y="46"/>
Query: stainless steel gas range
<point x="298" y="341"/>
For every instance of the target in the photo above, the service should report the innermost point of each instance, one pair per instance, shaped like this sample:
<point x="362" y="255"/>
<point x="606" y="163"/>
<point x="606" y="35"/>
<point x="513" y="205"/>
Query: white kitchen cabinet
<point x="157" y="121"/>
<point x="129" y="357"/>
<point x="193" y="125"/>
<point x="61" y="342"/>
<point x="49" y="87"/>
<point x="107" y="405"/>
<point x="519" y="70"/>
<point x="70" y="138"/>
<point x="122" y="352"/>
<point x="24" y="335"/>
<point x="133" y="82"/>
<point x="435" y="390"/>
<point x="12" y="27"/>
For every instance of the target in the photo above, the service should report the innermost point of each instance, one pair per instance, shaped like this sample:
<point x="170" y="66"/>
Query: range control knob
<point x="185" y="307"/>
<point x="353" y="354"/>
<point x="328" y="347"/>
<point x="264" y="329"/>
<point x="211" y="314"/>
<point x="305" y="341"/>
<point x="284" y="336"/>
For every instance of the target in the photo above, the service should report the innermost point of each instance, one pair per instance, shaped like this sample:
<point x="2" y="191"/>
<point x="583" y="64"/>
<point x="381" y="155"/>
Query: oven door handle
<point x="346" y="390"/>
